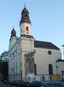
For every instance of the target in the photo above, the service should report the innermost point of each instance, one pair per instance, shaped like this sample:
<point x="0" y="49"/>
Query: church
<point x="28" y="55"/>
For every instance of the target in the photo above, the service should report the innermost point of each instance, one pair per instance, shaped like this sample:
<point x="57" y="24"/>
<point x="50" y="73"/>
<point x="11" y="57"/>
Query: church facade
<point x="27" y="55"/>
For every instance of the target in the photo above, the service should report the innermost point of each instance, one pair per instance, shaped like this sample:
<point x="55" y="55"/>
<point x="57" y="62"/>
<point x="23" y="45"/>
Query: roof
<point x="42" y="44"/>
<point x="60" y="60"/>
<point x="13" y="32"/>
<point x="25" y="16"/>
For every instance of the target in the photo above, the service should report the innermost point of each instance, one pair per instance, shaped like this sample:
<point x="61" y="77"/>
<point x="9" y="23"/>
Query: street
<point x="40" y="84"/>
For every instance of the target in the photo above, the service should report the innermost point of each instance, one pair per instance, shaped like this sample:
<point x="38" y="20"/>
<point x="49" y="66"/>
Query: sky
<point x="47" y="19"/>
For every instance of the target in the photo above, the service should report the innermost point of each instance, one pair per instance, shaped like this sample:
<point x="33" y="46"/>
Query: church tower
<point x="13" y="38"/>
<point x="25" y="23"/>
<point x="26" y="44"/>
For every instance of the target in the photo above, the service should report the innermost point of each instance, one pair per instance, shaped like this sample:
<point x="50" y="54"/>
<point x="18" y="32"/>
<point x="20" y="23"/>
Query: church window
<point x="20" y="64"/>
<point x="35" y="70"/>
<point x="56" y="66"/>
<point x="26" y="28"/>
<point x="50" y="69"/>
<point x="49" y="52"/>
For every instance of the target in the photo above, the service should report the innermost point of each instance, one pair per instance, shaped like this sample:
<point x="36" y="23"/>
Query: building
<point x="60" y="66"/>
<point x="27" y="55"/>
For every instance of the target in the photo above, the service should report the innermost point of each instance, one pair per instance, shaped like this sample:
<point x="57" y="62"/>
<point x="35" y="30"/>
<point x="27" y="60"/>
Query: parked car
<point x="36" y="84"/>
<point x="24" y="84"/>
<point x="46" y="84"/>
<point x="14" y="83"/>
<point x="27" y="83"/>
<point x="20" y="83"/>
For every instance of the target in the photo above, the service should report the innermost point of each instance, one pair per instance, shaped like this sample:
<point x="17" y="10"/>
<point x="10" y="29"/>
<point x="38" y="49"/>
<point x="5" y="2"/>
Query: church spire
<point x="13" y="32"/>
<point x="25" y="16"/>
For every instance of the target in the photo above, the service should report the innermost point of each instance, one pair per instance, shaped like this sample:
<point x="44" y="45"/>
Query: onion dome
<point x="13" y="33"/>
<point x="25" y="16"/>
<point x="25" y="11"/>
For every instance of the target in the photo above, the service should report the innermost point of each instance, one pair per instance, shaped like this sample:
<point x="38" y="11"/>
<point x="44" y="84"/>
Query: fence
<point x="53" y="77"/>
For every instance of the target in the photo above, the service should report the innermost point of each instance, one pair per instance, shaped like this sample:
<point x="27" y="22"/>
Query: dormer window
<point x="26" y="28"/>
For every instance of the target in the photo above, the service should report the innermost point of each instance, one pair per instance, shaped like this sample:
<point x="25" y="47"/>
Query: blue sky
<point x="47" y="17"/>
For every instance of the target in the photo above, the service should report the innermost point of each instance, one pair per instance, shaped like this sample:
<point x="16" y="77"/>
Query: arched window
<point x="50" y="69"/>
<point x="35" y="71"/>
<point x="26" y="28"/>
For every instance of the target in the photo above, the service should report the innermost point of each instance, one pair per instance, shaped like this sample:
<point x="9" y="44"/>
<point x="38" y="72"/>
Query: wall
<point x="43" y="59"/>
<point x="27" y="46"/>
<point x="23" y="29"/>
<point x="13" y="62"/>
